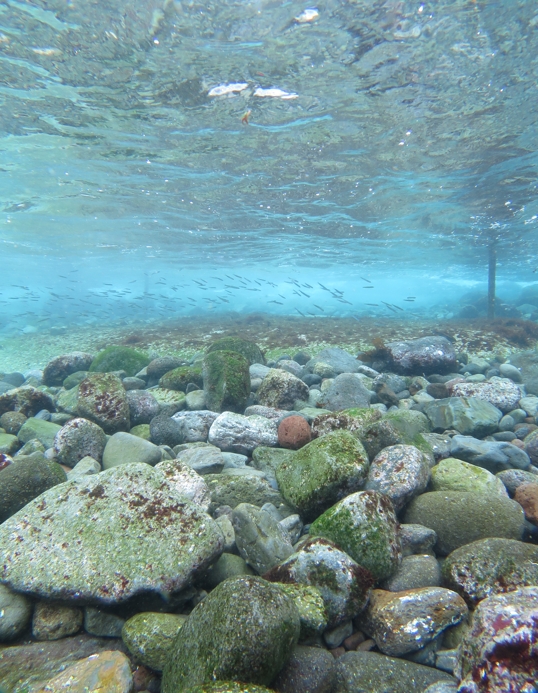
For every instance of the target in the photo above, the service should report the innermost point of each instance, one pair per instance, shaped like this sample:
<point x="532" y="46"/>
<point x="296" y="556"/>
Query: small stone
<point x="52" y="621"/>
<point x="102" y="623"/>
<point x="346" y="391"/>
<point x="492" y="455"/>
<point x="310" y="670"/>
<point x="143" y="407"/>
<point x="123" y="448"/>
<point x="294" y="433"/>
<point x="165" y="431"/>
<point x="12" y="421"/>
<point x="414" y="572"/>
<point x="15" y="613"/>
<point x="195" y="425"/>
<point x="77" y="439"/>
<point x="186" y="482"/>
<point x="336" y="636"/>
<point x="527" y="496"/>
<point x="228" y="565"/>
<point x="280" y="390"/>
<point x="232" y="490"/>
<point x="26" y="399"/>
<point x="38" y="429"/>
<point x="456" y="475"/>
<point x="25" y="480"/>
<point x="85" y="467"/>
<point x="150" y="636"/>
<point x="203" y="460"/>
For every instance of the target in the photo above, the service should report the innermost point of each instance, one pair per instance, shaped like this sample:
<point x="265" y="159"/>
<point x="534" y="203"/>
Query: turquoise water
<point x="407" y="145"/>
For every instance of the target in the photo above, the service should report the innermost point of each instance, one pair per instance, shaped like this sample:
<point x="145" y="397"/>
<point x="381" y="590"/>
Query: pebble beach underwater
<point x="268" y="346"/>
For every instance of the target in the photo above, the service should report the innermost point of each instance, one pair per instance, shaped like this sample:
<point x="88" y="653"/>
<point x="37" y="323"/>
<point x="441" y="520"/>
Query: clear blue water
<point x="411" y="144"/>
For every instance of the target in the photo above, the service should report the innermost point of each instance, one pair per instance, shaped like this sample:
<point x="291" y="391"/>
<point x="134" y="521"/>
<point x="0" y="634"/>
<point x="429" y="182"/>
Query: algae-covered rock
<point x="9" y="443"/>
<point x="468" y="415"/>
<point x="26" y="399"/>
<point x="232" y="490"/>
<point x="141" y="431"/>
<point x="38" y="429"/>
<point x="79" y="438"/>
<point x="313" y="615"/>
<point x="356" y="421"/>
<point x="170" y="401"/>
<point x="248" y="349"/>
<point x="119" y="358"/>
<point x="25" y="480"/>
<point x="133" y="530"/>
<point x="260" y="539"/>
<point x="15" y="613"/>
<point x="226" y="381"/>
<point x="364" y="526"/>
<point x="323" y="472"/>
<point x="103" y="400"/>
<point x="452" y="474"/>
<point x="60" y="367"/>
<point x="149" y="637"/>
<point x="124" y="448"/>
<point x="280" y="390"/>
<point x="180" y="377"/>
<point x="229" y="565"/>
<point x="244" y="630"/>
<point x="267" y="459"/>
<point x="67" y="400"/>
<point x="490" y="566"/>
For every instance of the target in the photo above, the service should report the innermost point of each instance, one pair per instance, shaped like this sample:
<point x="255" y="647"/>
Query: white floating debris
<point x="308" y="15"/>
<point x="275" y="93"/>
<point x="224" y="89"/>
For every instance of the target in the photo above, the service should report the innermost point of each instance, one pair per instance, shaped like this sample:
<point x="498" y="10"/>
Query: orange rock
<point x="527" y="496"/>
<point x="294" y="432"/>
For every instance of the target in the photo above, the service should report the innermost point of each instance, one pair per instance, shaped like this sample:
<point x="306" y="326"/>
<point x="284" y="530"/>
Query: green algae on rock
<point x="245" y="630"/>
<point x="134" y="531"/>
<point x="39" y="429"/>
<point x="311" y="607"/>
<point x="356" y="421"/>
<point x="248" y="349"/>
<point x="364" y="525"/>
<point x="119" y="358"/>
<point x="149" y="636"/>
<point x="322" y="472"/>
<point x="226" y="381"/>
<point x="178" y="378"/>
<point x="103" y="400"/>
<point x="452" y="474"/>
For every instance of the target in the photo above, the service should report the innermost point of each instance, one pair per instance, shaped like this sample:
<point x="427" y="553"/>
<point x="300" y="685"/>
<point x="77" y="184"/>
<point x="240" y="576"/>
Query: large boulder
<point x="226" y="381"/>
<point x="134" y="531"/>
<point x="79" y="438"/>
<point x="103" y="400"/>
<point x="119" y="358"/>
<point x="467" y="415"/>
<point x="420" y="356"/>
<point x="345" y="392"/>
<point x="57" y="370"/>
<point x="323" y="472"/>
<point x="280" y="390"/>
<point x="244" y="630"/>
<point x="364" y="525"/>
<point x="248" y="349"/>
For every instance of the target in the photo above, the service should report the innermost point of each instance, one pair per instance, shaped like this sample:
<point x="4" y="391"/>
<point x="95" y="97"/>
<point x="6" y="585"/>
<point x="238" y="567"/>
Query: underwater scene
<point x="268" y="346"/>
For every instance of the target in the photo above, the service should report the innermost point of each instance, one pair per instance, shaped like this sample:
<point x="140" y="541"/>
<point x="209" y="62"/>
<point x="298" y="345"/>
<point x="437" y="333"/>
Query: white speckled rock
<point x="237" y="433"/>
<point x="501" y="392"/>
<point x="186" y="481"/>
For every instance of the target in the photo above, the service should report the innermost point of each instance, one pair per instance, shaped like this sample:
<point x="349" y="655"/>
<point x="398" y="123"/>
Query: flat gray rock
<point x="124" y="448"/>
<point x="204" y="460"/>
<point x="468" y="415"/>
<point x="501" y="392"/>
<point x="339" y="360"/>
<point x="134" y="532"/>
<point x="491" y="455"/>
<point x="345" y="392"/>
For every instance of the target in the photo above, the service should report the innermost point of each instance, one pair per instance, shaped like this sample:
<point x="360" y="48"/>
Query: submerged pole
<point x="491" y="279"/>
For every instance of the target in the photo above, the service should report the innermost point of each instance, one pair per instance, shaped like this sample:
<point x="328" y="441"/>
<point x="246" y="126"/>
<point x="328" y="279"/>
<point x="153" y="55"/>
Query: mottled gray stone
<point x="345" y="392"/>
<point x="102" y="623"/>
<point x="259" y="538"/>
<point x="237" y="433"/>
<point x="204" y="460"/>
<point x="339" y="360"/>
<point x="38" y="429"/>
<point x="228" y="489"/>
<point x="281" y="390"/>
<point x="310" y="670"/>
<point x="54" y="620"/>
<point x="195" y="425"/>
<point x="85" y="467"/>
<point x="467" y="415"/>
<point x="103" y="400"/>
<point x="500" y="392"/>
<point x="419" y="570"/>
<point x="79" y="438"/>
<point x="124" y="448"/>
<point x="491" y="455"/>
<point x="416" y="539"/>
<point x="143" y="406"/>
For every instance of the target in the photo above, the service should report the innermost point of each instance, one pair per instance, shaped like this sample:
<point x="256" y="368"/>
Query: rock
<point x="259" y="538"/>
<point x="442" y="687"/>
<point x="494" y="456"/>
<point x="244" y="629"/>
<point x="169" y="401"/>
<point x="228" y="565"/>
<point x="103" y="400"/>
<point x="57" y="370"/>
<point x="226" y="381"/>
<point x="502" y="644"/>
<point x="527" y="496"/>
<point x="77" y="439"/>
<point x="468" y="415"/>
<point x="421" y="356"/>
<point x="233" y="432"/>
<point x="186" y="481"/>
<point x="529" y="405"/>
<point x="343" y="584"/>
<point x="291" y="367"/>
<point x="178" y="378"/>
<point x="323" y="472"/>
<point x="227" y="687"/>
<point x="195" y="400"/>
<point x="267" y="459"/>
<point x="143" y="407"/>
<point x="356" y="421"/>
<point x="513" y="478"/>
<point x="38" y="429"/>
<point x="346" y="391"/>
<point x="156" y="368"/>
<point x="415" y="571"/>
<point x="12" y="422"/>
<point x="8" y="444"/>
<point x="460" y="517"/>
<point x="338" y="359"/>
<point x="15" y="614"/>
<point x="400" y="472"/>
<point x="280" y="390"/>
<point x="232" y="490"/>
<point x="248" y="349"/>
<point x="165" y="431"/>
<point x="75" y="379"/>
<point x="52" y="621"/>
<point x="204" y="460"/>
<point x="500" y="392"/>
<point x="386" y="396"/>
<point x="490" y="566"/>
<point x="455" y="475"/>
<point x="311" y="608"/>
<point x="67" y="401"/>
<point x="102" y="623"/>
<point x="335" y="637"/>
<point x="195" y="425"/>
<point x="119" y="358"/>
<point x="369" y="672"/>
<point x="85" y="467"/>
<point x="26" y="399"/>
<point x="133" y="384"/>
<point x="294" y="433"/>
<point x="150" y="636"/>
<point x="404" y="622"/>
<point x="123" y="448"/>
<point x="145" y="537"/>
<point x="364" y="526"/>
<point x="309" y="670"/>
<point x="416" y="539"/>
<point x="108" y="671"/>
<point x="25" y="480"/>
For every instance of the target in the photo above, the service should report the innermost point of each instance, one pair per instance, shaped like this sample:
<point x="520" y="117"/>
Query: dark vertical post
<point x="491" y="279"/>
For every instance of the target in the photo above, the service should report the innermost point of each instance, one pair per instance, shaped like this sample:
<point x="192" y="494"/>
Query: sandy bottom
<point x="274" y="334"/>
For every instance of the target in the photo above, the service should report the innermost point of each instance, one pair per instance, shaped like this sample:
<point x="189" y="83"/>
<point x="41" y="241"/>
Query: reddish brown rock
<point x="294" y="432"/>
<point x="527" y="496"/>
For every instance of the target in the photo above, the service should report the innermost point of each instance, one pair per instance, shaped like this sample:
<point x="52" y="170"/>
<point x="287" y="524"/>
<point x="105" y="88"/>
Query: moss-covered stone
<point x="103" y="400"/>
<point x="119" y="358"/>
<point x="323" y="472"/>
<point x="456" y="475"/>
<point x="245" y="629"/>
<point x="9" y="443"/>
<point x="267" y="459"/>
<point x="356" y="421"/>
<point x="149" y="637"/>
<point x="67" y="401"/>
<point x="232" y="490"/>
<point x="39" y="429"/>
<point x="229" y="565"/>
<point x="412" y="425"/>
<point x="365" y="527"/>
<point x="170" y="401"/>
<point x="311" y="607"/>
<point x="226" y="381"/>
<point x="244" y="347"/>
<point x="141" y="431"/>
<point x="23" y="481"/>
<point x="180" y="377"/>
